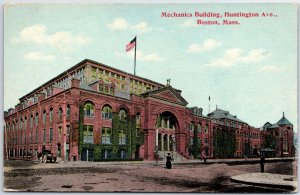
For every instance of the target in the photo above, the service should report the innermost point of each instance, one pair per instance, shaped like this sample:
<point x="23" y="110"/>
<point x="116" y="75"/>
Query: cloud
<point x="141" y="27"/>
<point x="118" y="24"/>
<point x="256" y="55"/>
<point x="270" y="69"/>
<point x="234" y="55"/>
<point x="188" y="24"/>
<point x="38" y="56"/>
<point x="62" y="40"/>
<point x="144" y="57"/>
<point x="122" y="24"/>
<point x="207" y="45"/>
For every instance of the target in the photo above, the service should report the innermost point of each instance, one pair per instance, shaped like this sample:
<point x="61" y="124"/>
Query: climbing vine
<point x="80" y="132"/>
<point x="134" y="137"/>
<point x="224" y="142"/>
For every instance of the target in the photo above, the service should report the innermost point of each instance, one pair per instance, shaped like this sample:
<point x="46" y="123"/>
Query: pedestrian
<point x="262" y="164"/>
<point x="169" y="163"/>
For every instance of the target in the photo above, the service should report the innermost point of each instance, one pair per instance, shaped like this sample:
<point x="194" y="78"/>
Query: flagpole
<point x="135" y="53"/>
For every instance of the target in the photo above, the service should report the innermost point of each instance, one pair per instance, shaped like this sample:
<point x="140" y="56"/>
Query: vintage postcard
<point x="190" y="97"/>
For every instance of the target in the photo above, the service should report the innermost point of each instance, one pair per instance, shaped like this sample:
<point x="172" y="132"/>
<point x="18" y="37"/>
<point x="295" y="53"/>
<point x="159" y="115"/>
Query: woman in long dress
<point x="168" y="163"/>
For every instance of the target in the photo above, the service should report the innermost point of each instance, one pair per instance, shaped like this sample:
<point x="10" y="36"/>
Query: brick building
<point x="72" y="115"/>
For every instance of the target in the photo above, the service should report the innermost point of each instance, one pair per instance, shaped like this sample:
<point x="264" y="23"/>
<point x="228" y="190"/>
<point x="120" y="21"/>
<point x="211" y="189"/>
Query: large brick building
<point x="72" y="115"/>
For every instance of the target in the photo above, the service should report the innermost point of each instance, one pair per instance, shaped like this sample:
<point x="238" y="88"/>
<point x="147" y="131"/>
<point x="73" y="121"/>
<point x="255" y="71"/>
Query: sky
<point x="249" y="69"/>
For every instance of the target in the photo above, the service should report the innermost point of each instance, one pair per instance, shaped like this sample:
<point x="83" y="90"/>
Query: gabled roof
<point x="167" y="93"/>
<point x="284" y="121"/>
<point x="223" y="114"/>
<point x="266" y="126"/>
<point x="274" y="126"/>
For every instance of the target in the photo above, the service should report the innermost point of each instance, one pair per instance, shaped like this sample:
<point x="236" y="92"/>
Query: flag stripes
<point x="131" y="44"/>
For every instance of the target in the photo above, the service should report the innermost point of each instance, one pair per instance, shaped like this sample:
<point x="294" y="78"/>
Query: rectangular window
<point x="44" y="135"/>
<point x="106" y="154"/>
<point x="106" y="135"/>
<point x="31" y="122"/>
<point x="44" y="118"/>
<point x="36" y="137"/>
<point x="36" y="120"/>
<point x="122" y="154"/>
<point x="31" y="137"/>
<point x="122" y="137"/>
<point x="105" y="89"/>
<point x="101" y="88"/>
<point x="112" y="91"/>
<point x="51" y="115"/>
<point x="51" y="134"/>
<point x="59" y="132"/>
<point x="88" y="134"/>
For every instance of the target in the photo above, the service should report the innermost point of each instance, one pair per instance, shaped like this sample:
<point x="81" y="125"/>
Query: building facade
<point x="95" y="112"/>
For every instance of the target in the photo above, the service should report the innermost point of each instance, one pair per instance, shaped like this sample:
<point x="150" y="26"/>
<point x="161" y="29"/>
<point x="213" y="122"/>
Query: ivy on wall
<point x="196" y="144"/>
<point x="225" y="142"/>
<point x="134" y="138"/>
<point x="80" y="132"/>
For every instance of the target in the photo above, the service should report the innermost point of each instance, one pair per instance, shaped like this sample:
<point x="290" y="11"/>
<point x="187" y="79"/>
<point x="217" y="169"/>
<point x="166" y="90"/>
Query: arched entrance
<point x="166" y="125"/>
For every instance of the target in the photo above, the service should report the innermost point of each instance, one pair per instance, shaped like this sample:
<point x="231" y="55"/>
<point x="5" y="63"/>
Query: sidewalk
<point x="287" y="182"/>
<point x="150" y="163"/>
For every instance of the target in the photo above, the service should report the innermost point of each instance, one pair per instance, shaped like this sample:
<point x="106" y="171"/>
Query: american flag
<point x="131" y="44"/>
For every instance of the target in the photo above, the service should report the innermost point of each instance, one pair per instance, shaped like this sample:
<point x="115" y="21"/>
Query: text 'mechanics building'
<point x="83" y="114"/>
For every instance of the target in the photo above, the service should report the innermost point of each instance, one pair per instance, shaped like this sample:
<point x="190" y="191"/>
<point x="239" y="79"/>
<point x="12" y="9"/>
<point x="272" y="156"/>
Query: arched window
<point x="199" y="128"/>
<point x="68" y="111"/>
<point x="123" y="114"/>
<point x="192" y="126"/>
<point x="106" y="112"/>
<point x="89" y="109"/>
<point x="44" y="116"/>
<point x="51" y="115"/>
<point x="60" y="114"/>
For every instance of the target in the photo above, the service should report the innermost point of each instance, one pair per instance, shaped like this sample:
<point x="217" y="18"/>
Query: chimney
<point x="75" y="83"/>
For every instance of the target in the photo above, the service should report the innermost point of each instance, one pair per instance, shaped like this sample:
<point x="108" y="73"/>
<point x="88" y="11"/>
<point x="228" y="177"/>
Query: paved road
<point x="135" y="177"/>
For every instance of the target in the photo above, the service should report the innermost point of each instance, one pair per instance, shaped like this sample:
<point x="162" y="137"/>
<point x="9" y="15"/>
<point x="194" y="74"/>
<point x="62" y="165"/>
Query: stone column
<point x="168" y="123"/>
<point x="162" y="142"/>
<point x="174" y="147"/>
<point x="168" y="142"/>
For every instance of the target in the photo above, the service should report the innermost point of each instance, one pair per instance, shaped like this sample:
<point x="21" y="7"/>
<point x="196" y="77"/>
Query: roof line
<point x="80" y="64"/>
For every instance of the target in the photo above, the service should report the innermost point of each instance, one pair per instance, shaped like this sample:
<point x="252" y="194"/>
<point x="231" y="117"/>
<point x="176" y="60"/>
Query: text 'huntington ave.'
<point x="215" y="18"/>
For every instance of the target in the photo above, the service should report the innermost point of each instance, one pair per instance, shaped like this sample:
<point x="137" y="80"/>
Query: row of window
<point x="89" y="111"/>
<point x="192" y="127"/>
<point x="35" y="120"/>
<point x="105" y="137"/>
<point x="87" y="138"/>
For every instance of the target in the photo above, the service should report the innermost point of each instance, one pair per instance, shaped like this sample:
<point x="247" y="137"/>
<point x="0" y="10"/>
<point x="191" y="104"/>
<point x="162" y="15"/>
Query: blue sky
<point x="249" y="69"/>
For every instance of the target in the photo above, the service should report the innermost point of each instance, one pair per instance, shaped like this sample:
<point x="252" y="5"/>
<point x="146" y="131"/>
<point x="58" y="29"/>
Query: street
<point x="134" y="177"/>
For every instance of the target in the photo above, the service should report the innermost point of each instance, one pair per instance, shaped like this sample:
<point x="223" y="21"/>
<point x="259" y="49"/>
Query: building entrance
<point x="167" y="125"/>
